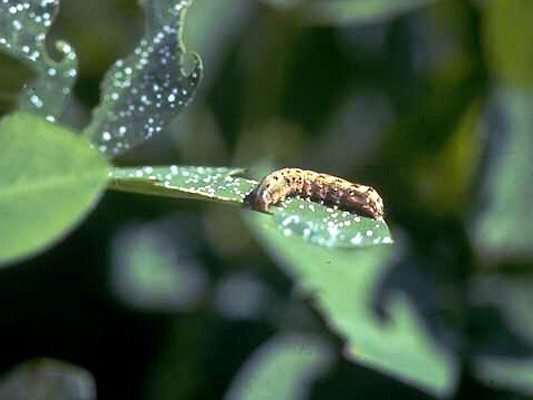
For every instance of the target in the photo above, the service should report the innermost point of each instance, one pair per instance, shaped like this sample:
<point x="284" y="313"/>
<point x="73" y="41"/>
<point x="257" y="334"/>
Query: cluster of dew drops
<point x="143" y="92"/>
<point x="334" y="227"/>
<point x="213" y="182"/>
<point x="23" y="26"/>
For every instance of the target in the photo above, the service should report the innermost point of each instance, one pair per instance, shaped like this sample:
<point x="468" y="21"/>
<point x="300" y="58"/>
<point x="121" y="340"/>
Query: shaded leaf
<point x="14" y="75"/>
<point x="284" y="368"/>
<point x="142" y="93"/>
<point x="341" y="283"/>
<point x="505" y="226"/>
<point x="508" y="363"/>
<point x="327" y="12"/>
<point x="49" y="179"/>
<point x="155" y="268"/>
<point x="509" y="373"/>
<point x="23" y="29"/>
<point x="46" y="379"/>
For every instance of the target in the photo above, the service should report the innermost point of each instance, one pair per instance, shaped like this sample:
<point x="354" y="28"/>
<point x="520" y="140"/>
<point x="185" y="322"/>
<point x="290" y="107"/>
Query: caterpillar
<point x="330" y="190"/>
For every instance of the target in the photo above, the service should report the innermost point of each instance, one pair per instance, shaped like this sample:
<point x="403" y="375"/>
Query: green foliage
<point x="202" y="183"/>
<point x="440" y="76"/>
<point x="313" y="222"/>
<point x="154" y="268"/>
<point x="501" y="230"/>
<point x="23" y="33"/>
<point x="282" y="369"/>
<point x="341" y="284"/>
<point x="145" y="91"/>
<point x="513" y="370"/>
<point x="50" y="180"/>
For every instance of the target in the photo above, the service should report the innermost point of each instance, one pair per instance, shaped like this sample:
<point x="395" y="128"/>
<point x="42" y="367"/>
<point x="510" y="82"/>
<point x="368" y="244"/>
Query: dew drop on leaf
<point x="215" y="183"/>
<point x="329" y="226"/>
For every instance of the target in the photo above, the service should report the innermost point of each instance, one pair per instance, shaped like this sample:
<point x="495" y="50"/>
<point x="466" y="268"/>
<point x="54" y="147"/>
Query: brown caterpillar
<point x="329" y="189"/>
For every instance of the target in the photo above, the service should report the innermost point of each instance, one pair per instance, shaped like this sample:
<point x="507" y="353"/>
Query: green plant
<point x="53" y="176"/>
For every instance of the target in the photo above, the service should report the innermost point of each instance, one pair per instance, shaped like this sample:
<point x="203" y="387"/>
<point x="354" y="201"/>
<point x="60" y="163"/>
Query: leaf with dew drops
<point x="23" y="28"/>
<point x="313" y="222"/>
<point x="189" y="182"/>
<point x="328" y="226"/>
<point x="143" y="92"/>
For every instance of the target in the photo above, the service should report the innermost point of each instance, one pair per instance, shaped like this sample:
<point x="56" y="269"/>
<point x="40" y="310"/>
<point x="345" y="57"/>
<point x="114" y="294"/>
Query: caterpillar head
<point x="258" y="199"/>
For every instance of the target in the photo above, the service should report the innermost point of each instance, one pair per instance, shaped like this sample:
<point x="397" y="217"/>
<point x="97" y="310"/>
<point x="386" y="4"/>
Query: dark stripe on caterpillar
<point x="330" y="190"/>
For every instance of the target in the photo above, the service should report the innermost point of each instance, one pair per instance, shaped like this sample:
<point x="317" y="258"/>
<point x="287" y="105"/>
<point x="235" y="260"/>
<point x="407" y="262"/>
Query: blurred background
<point x="431" y="102"/>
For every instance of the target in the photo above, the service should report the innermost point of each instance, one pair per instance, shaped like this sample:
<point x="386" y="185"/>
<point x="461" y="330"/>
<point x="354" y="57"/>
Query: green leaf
<point x="283" y="369"/>
<point x="314" y="222"/>
<point x="155" y="268"/>
<point x="514" y="300"/>
<point x="340" y="283"/>
<point x="184" y="182"/>
<point x="509" y="373"/>
<point x="142" y="93"/>
<point x="46" y="379"/>
<point x="328" y="226"/>
<point x="23" y="30"/>
<point x="505" y="226"/>
<point x="49" y="179"/>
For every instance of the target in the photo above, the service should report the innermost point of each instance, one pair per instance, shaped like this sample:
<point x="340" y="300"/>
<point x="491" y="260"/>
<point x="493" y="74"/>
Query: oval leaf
<point x="293" y="362"/>
<point x="311" y="221"/>
<point x="49" y="179"/>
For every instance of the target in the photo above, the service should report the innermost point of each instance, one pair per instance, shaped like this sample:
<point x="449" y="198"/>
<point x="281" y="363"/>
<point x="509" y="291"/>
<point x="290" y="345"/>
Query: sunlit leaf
<point x="23" y="29"/>
<point x="142" y="93"/>
<point x="49" y="179"/>
<point x="341" y="283"/>
<point x="45" y="379"/>
<point x="314" y="222"/>
<point x="283" y="369"/>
